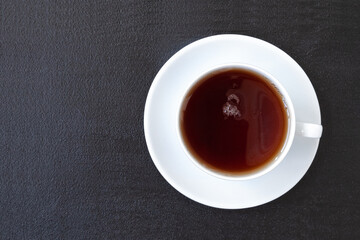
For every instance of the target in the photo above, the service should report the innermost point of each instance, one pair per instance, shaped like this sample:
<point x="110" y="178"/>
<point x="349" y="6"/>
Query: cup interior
<point x="290" y="131"/>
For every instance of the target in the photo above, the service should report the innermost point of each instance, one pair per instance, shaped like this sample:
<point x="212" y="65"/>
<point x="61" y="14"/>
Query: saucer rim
<point x="150" y="146"/>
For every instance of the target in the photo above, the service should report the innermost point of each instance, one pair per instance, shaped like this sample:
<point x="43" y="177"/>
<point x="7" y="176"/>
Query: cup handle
<point x="309" y="130"/>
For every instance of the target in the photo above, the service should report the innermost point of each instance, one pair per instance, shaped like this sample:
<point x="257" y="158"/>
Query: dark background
<point x="73" y="84"/>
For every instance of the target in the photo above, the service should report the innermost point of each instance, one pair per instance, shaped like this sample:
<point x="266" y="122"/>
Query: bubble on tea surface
<point x="233" y="98"/>
<point x="230" y="108"/>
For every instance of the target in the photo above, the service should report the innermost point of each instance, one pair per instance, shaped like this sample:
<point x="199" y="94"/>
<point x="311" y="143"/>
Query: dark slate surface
<point x="73" y="84"/>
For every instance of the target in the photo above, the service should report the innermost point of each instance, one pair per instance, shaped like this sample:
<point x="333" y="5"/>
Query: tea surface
<point x="233" y="121"/>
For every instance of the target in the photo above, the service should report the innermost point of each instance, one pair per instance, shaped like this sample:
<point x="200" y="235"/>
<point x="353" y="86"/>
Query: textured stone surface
<point x="74" y="76"/>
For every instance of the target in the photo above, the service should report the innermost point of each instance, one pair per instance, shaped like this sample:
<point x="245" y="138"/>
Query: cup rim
<point x="287" y="143"/>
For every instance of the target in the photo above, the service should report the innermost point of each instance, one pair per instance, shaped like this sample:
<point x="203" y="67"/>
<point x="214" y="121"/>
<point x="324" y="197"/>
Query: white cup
<point x="309" y="130"/>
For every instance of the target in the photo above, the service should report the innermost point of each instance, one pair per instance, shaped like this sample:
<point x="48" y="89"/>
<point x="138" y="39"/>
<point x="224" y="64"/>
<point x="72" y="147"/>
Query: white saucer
<point x="160" y="129"/>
